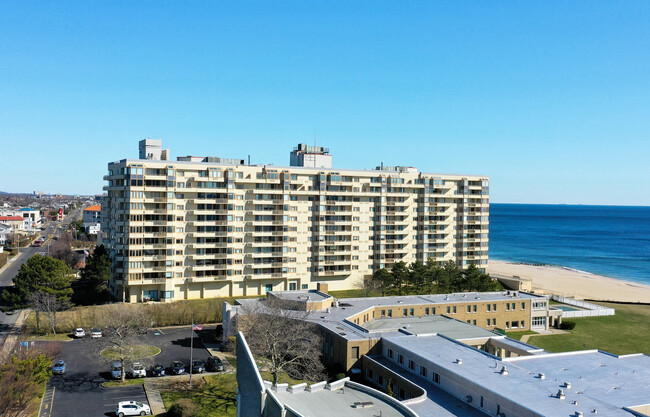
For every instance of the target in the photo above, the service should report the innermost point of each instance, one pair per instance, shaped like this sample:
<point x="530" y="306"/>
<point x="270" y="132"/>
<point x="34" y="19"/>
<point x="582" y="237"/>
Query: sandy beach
<point x="571" y="283"/>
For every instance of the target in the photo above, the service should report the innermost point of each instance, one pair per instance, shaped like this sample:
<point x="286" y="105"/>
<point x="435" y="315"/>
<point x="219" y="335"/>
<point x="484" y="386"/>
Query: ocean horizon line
<point x="569" y="205"/>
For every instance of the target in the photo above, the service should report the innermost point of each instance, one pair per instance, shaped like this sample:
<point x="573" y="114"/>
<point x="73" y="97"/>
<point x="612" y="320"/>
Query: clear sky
<point x="549" y="99"/>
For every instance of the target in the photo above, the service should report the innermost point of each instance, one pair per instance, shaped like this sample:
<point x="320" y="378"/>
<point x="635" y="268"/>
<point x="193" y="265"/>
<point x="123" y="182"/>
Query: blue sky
<point x="550" y="99"/>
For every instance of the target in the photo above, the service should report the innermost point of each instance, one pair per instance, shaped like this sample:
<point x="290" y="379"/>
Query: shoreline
<point x="570" y="282"/>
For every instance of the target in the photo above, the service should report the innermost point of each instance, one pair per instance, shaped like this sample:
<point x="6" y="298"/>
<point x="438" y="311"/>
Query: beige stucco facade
<point x="182" y="230"/>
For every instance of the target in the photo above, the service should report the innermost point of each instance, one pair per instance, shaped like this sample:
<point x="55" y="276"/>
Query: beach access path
<point x="571" y="283"/>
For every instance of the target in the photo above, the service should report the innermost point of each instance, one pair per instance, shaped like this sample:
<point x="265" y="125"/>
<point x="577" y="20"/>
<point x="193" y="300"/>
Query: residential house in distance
<point x="5" y="231"/>
<point x="16" y="223"/>
<point x="92" y="219"/>
<point x="203" y="227"/>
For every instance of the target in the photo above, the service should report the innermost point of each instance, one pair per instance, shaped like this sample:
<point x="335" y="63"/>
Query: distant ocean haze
<point x="607" y="240"/>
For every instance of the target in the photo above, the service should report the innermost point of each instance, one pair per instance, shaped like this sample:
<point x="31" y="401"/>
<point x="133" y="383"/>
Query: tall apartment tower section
<point x="198" y="228"/>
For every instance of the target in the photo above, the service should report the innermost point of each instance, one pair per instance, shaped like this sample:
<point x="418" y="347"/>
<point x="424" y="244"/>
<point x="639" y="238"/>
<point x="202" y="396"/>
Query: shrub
<point x="3" y="259"/>
<point x="568" y="325"/>
<point x="183" y="407"/>
<point x="339" y="376"/>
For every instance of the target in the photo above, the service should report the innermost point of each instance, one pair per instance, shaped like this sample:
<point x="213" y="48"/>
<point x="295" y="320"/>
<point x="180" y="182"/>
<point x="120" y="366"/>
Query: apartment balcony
<point x="222" y="267"/>
<point x="211" y="278"/>
<point x="197" y="256"/>
<point x="265" y="233"/>
<point x="146" y="281"/>
<point x="265" y="276"/>
<point x="209" y="234"/>
<point x="265" y="244"/>
<point x="149" y="257"/>
<point x="331" y="273"/>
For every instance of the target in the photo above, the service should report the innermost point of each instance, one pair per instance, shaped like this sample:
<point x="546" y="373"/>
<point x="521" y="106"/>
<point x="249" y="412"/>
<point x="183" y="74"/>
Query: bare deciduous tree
<point x="121" y="328"/>
<point x="48" y="304"/>
<point x="284" y="337"/>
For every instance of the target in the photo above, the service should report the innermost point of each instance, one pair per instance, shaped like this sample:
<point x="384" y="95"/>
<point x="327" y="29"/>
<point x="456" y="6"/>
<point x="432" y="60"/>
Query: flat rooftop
<point x="339" y="402"/>
<point x="302" y="295"/>
<point x="429" y="325"/>
<point x="522" y="384"/>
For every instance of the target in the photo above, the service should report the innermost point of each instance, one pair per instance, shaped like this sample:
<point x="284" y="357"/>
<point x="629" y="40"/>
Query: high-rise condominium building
<point x="203" y="227"/>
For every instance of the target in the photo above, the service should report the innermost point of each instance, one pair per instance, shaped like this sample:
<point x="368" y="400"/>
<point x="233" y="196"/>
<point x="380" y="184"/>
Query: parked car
<point x="95" y="333"/>
<point x="198" y="367"/>
<point x="79" y="332"/>
<point x="138" y="371"/>
<point x="132" y="408"/>
<point x="116" y="370"/>
<point x="177" y="368"/>
<point x="214" y="364"/>
<point x="158" y="370"/>
<point x="58" y="368"/>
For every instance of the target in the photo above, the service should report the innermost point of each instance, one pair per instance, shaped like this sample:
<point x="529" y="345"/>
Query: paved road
<point x="80" y="392"/>
<point x="9" y="272"/>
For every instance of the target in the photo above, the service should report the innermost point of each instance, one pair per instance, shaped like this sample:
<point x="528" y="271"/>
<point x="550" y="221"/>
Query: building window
<point x="436" y="378"/>
<point x="454" y="310"/>
<point x="507" y="325"/>
<point x="426" y="311"/>
<point x="411" y="365"/>
<point x="292" y="286"/>
<point x="523" y="306"/>
<point x="390" y="313"/>
<point x="269" y="287"/>
<point x="383" y="313"/>
<point x="400" y="359"/>
<point x="448" y="310"/>
<point x="469" y="309"/>
<point x="539" y="321"/>
<point x="405" y="310"/>
<point x="423" y="371"/>
<point x="412" y="312"/>
<point x="370" y="374"/>
<point x="304" y="286"/>
<point x="489" y="307"/>
<point x="355" y="352"/>
<point x="390" y="353"/>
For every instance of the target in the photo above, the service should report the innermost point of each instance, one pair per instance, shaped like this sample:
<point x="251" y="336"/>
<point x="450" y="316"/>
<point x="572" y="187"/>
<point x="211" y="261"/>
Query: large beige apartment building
<point x="202" y="227"/>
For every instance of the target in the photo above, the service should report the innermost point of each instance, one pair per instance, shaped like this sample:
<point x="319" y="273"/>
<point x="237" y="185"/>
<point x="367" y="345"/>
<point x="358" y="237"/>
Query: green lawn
<point x="134" y="381"/>
<point x="217" y="398"/>
<point x="518" y="335"/>
<point x="626" y="332"/>
<point x="135" y="352"/>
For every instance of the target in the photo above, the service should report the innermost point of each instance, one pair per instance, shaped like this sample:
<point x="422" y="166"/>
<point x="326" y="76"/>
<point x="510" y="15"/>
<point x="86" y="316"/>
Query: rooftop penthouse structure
<point x="203" y="227"/>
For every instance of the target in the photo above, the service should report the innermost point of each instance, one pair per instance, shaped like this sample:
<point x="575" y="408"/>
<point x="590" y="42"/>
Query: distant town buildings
<point x="204" y="227"/>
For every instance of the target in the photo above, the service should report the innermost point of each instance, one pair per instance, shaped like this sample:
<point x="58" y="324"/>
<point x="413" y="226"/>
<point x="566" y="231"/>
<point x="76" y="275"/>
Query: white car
<point x="138" y="370"/>
<point x="95" y="333"/>
<point x="132" y="408"/>
<point x="79" y="332"/>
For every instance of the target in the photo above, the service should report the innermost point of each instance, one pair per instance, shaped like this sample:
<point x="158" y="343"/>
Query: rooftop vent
<point x="579" y="414"/>
<point x="504" y="370"/>
<point x="560" y="394"/>
<point x="567" y="385"/>
<point x="459" y="361"/>
<point x="542" y="375"/>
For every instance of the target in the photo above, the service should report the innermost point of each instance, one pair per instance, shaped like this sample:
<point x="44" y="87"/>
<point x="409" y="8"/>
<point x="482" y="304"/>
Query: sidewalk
<point x="151" y="390"/>
<point x="12" y="337"/>
<point x="524" y="338"/>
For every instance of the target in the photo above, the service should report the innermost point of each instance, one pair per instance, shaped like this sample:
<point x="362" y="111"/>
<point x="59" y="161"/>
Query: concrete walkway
<point x="151" y="390"/>
<point x="524" y="338"/>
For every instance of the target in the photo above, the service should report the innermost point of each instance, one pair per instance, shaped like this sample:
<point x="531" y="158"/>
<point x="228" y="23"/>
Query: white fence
<point x="590" y="310"/>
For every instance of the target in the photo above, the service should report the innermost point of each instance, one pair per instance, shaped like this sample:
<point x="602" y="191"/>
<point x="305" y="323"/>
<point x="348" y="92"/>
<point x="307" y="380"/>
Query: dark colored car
<point x="214" y="364"/>
<point x="198" y="367"/>
<point x="158" y="370"/>
<point x="177" y="368"/>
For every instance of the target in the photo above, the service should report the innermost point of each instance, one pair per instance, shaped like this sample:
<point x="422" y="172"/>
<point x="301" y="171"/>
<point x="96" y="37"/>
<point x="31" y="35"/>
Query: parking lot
<point x="80" y="392"/>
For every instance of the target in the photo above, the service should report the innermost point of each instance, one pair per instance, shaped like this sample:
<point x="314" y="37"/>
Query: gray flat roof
<point x="337" y="402"/>
<point x="521" y="385"/>
<point x="302" y="295"/>
<point x="429" y="325"/>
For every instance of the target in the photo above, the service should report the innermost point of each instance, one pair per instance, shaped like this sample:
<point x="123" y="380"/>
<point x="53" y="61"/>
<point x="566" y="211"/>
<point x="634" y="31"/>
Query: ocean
<point x="609" y="240"/>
